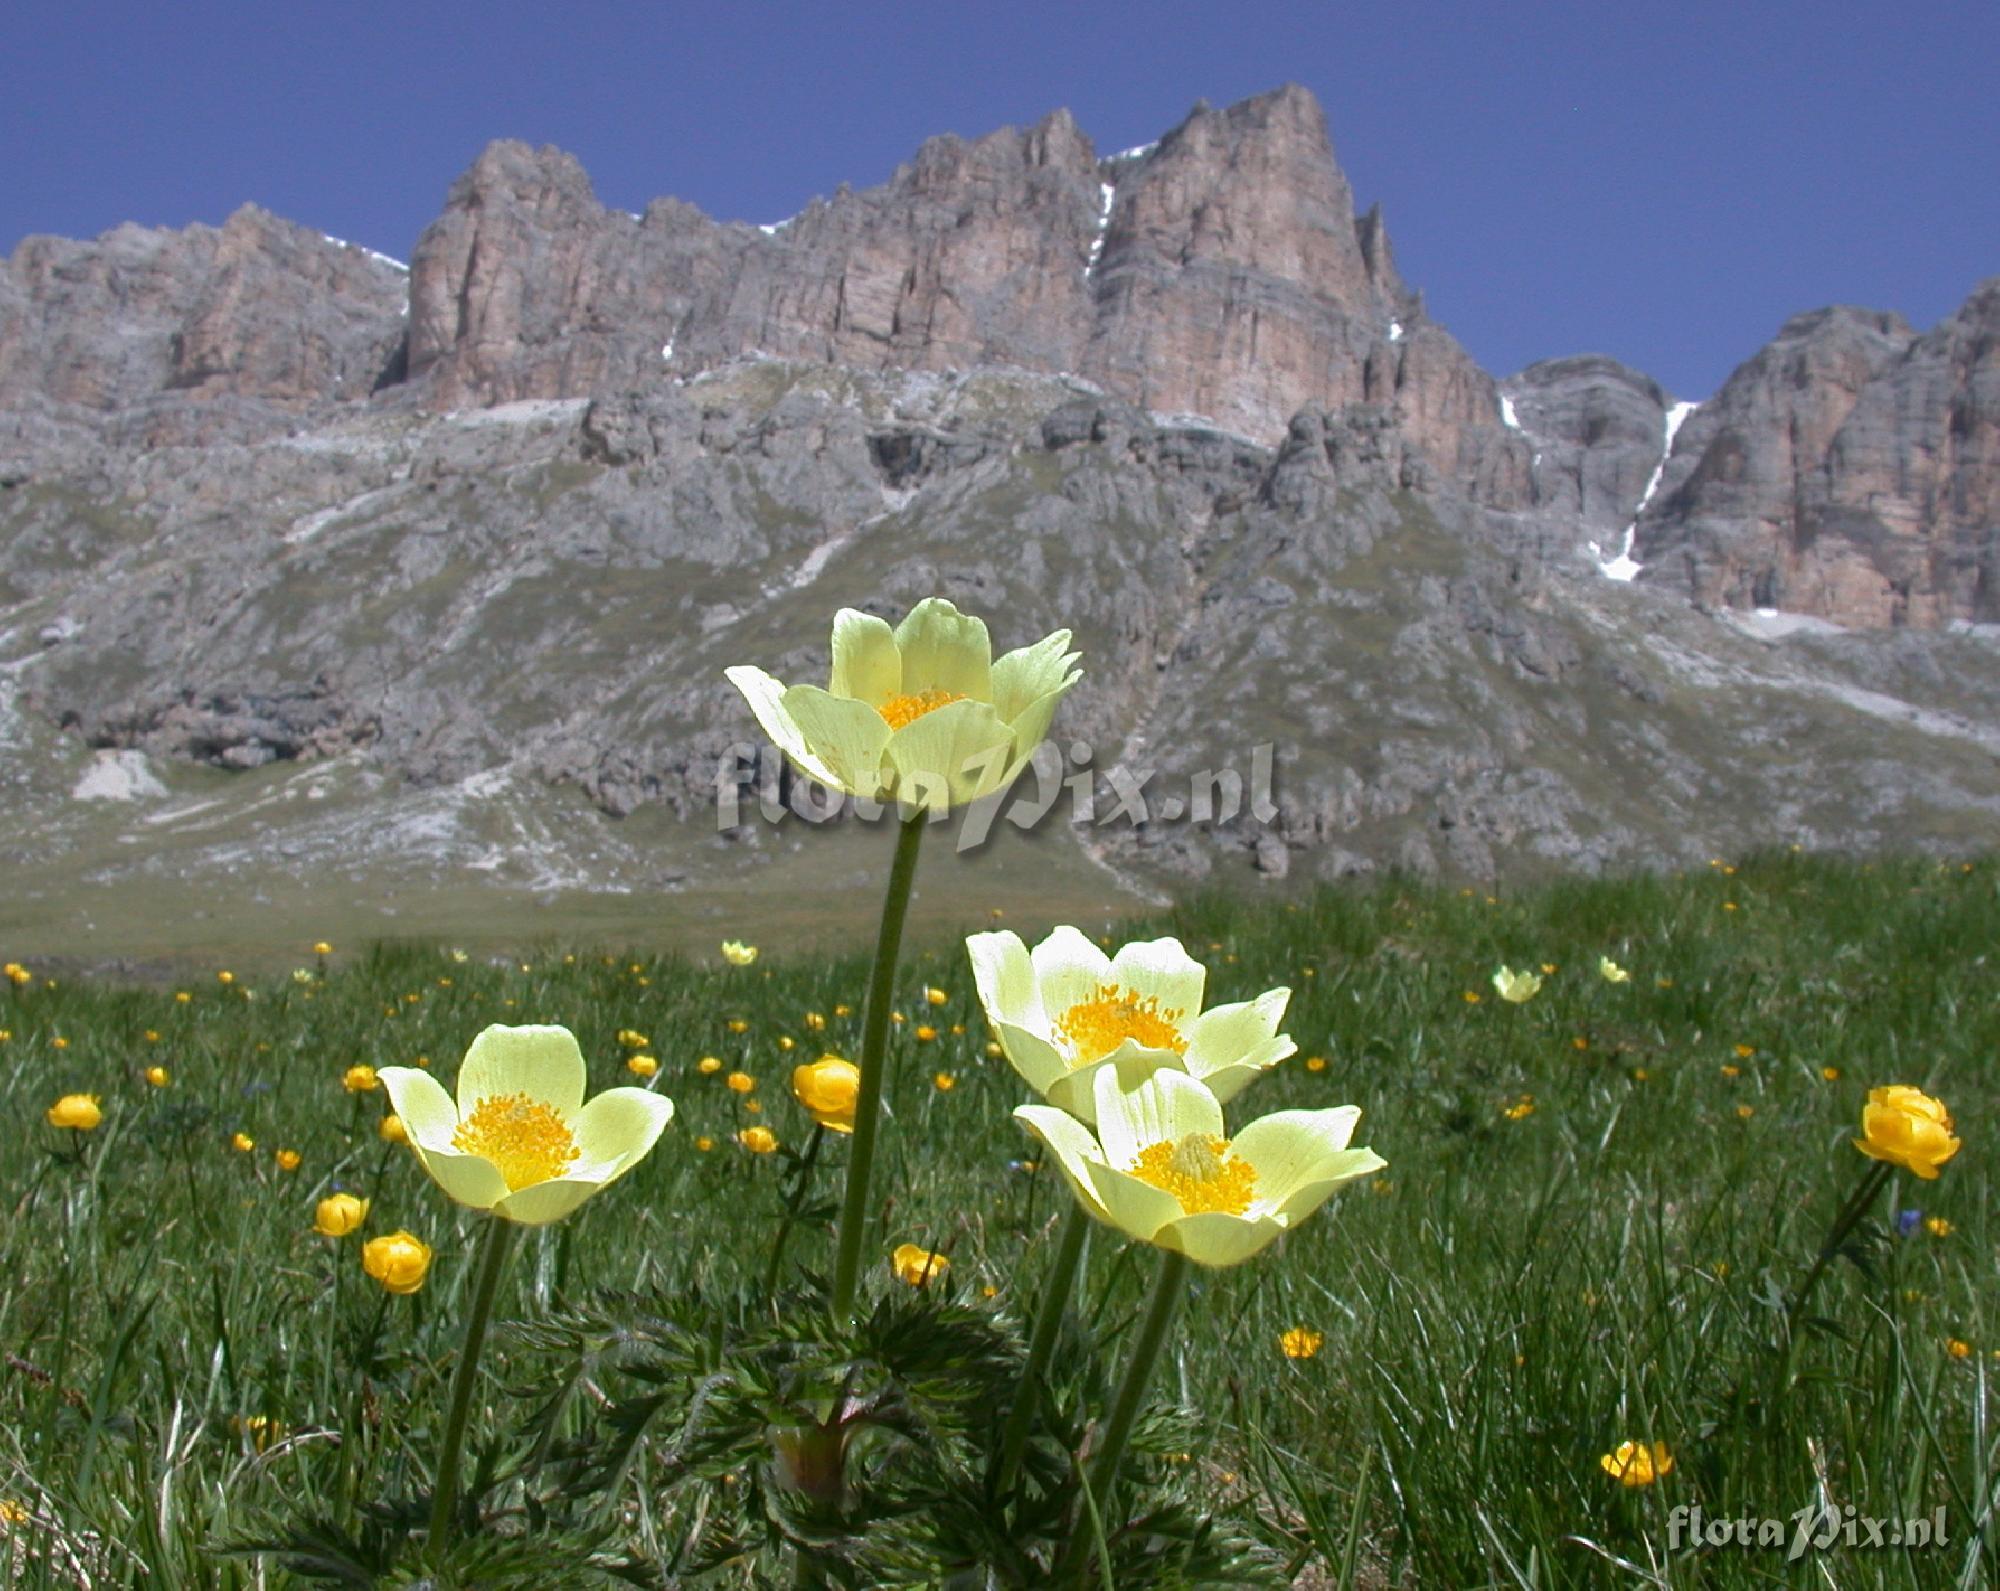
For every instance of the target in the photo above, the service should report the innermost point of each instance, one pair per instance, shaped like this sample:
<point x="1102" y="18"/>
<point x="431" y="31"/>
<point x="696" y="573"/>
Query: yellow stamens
<point x="524" y="1137"/>
<point x="901" y="710"/>
<point x="1200" y="1172"/>
<point x="1097" y="1026"/>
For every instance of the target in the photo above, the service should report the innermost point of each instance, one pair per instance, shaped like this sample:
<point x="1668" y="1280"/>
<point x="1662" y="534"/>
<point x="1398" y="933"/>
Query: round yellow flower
<point x="288" y="1159"/>
<point x="704" y="1143"/>
<point x="741" y="1082"/>
<point x="935" y="996"/>
<point x="339" y="1214"/>
<point x="157" y="1076"/>
<point x="1302" y="1342"/>
<point x="1636" y="1464"/>
<point x="392" y="1130"/>
<point x="922" y="714"/>
<point x="1906" y="1127"/>
<point x="708" y="1066"/>
<point x="359" y="1079"/>
<point x="225" y="978"/>
<point x="242" y="1142"/>
<point x="828" y="1088"/>
<point x="518" y="1139"/>
<point x="642" y="1065"/>
<point x="758" y="1140"/>
<point x="399" y="1261"/>
<point x="944" y="1082"/>
<point x="917" y="1265"/>
<point x="322" y="948"/>
<point x="78" y="1112"/>
<point x="925" y="1033"/>
<point x="737" y="1024"/>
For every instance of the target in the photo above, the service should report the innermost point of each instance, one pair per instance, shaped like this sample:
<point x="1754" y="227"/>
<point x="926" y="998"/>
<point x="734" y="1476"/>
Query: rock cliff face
<point x="346" y="576"/>
<point x="1851" y="470"/>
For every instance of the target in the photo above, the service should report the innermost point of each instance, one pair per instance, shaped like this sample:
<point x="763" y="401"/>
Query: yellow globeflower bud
<point x="917" y="1265"/>
<point x="758" y="1140"/>
<point x="157" y="1076"/>
<point x="339" y="1214"/>
<point x="738" y="1025"/>
<point x="926" y="1033"/>
<point x="242" y="1142"/>
<point x="935" y="996"/>
<point x="1636" y="1463"/>
<point x="391" y="1131"/>
<point x="322" y="948"/>
<point x="828" y="1088"/>
<point x="642" y="1065"/>
<point x="708" y="1066"/>
<point x="78" y="1112"/>
<point x="1906" y="1127"/>
<point x="288" y="1159"/>
<point x="741" y="1082"/>
<point x="359" y="1079"/>
<point x="399" y="1261"/>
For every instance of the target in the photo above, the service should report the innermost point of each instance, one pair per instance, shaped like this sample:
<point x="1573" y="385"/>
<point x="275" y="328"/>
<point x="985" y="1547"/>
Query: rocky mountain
<point x="340" y="596"/>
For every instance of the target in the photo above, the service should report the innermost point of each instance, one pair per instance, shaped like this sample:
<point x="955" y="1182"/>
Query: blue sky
<point x="1662" y="183"/>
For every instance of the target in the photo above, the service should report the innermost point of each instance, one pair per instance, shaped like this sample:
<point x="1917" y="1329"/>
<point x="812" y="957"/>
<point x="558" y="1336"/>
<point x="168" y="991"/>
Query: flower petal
<point x="1030" y="675"/>
<point x="1069" y="969"/>
<point x="542" y="1062"/>
<point x="472" y="1180"/>
<point x="1227" y="1083"/>
<point x="1004" y="974"/>
<point x="1290" y="1148"/>
<point x="617" y="1128"/>
<point x="846" y="738"/>
<point x="866" y="665"/>
<point x="1216" y="1238"/>
<point x="950" y="756"/>
<point x="542" y="1202"/>
<point x="945" y="650"/>
<point x="1137" y="1109"/>
<point x="766" y="697"/>
<point x="428" y="1114"/>
<point x="1228" y="1033"/>
<point x="1336" y="1173"/>
<point x="1134" y="1207"/>
<point x="1041" y="1065"/>
<point x="1163" y="969"/>
<point x="1072" y="1146"/>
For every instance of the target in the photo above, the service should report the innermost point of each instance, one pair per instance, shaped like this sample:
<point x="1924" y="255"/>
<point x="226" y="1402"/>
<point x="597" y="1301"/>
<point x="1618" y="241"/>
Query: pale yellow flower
<point x="922" y="714"/>
<point x="519" y="1139"/>
<point x="1517" y="987"/>
<point x="1161" y="1169"/>
<point x="738" y="954"/>
<point x="1065" y="1011"/>
<point x="1611" y="972"/>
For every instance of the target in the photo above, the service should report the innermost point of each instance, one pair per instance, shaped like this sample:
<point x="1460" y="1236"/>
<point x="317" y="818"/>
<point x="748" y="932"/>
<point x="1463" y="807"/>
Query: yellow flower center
<point x="524" y="1137"/>
<point x="1200" y="1172"/>
<point x="901" y="710"/>
<point x="1097" y="1026"/>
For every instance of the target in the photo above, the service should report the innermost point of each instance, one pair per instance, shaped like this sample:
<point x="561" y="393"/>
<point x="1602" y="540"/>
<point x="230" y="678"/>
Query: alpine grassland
<point x="1634" y="1253"/>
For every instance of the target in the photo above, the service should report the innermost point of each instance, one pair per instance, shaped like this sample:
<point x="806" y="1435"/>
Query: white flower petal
<point x="1290" y="1148"/>
<point x="866" y="665"/>
<point x="1136" y="1110"/>
<point x="1163" y="969"/>
<point x="1072" y="1146"/>
<point x="847" y="738"/>
<point x="617" y="1128"/>
<point x="1031" y="674"/>
<point x="1069" y="969"/>
<point x="542" y="1202"/>
<point x="1227" y="1034"/>
<point x="945" y="650"/>
<point x="766" y="697"/>
<point x="1134" y="1207"/>
<point x="1004" y="974"/>
<point x="542" y="1062"/>
<point x="1041" y="1066"/>
<point x="950" y="756"/>
<point x="429" y="1116"/>
<point x="472" y="1180"/>
<point x="1333" y="1174"/>
<point x="1216" y="1238"/>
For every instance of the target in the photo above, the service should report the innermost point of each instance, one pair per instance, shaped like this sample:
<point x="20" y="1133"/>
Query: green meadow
<point x="1598" y="1206"/>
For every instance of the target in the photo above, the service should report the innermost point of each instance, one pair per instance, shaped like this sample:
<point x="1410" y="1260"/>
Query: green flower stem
<point x="1844" y="1223"/>
<point x="494" y="1245"/>
<point x="1103" y="1474"/>
<point x="874" y="1041"/>
<point x="1041" y="1346"/>
<point x="798" y="1197"/>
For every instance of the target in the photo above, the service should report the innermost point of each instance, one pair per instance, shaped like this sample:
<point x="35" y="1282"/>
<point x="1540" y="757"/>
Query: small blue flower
<point x="1906" y="1221"/>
